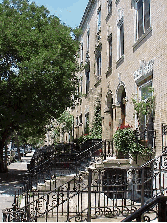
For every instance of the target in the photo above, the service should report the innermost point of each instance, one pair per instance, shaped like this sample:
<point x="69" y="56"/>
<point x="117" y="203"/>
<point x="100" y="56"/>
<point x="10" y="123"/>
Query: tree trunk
<point x="2" y="166"/>
<point x="4" y="136"/>
<point x="18" y="147"/>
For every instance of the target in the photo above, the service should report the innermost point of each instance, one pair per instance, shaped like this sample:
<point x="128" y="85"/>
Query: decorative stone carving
<point x="144" y="71"/>
<point x="120" y="17"/>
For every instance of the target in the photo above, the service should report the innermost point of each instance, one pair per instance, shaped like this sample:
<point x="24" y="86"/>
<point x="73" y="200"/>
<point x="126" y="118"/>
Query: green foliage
<point x="145" y="107"/>
<point x="66" y="119"/>
<point x="65" y="123"/>
<point x="126" y="142"/>
<point x="38" y="61"/>
<point x="95" y="132"/>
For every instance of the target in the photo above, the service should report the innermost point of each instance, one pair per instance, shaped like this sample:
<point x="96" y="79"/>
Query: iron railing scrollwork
<point x="95" y="193"/>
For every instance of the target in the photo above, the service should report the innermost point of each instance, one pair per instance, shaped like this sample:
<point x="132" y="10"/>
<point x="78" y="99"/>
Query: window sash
<point x="81" y="51"/>
<point x="147" y="14"/>
<point x="109" y="6"/>
<point x="144" y="94"/>
<point x="99" y="20"/>
<point x="110" y="52"/>
<point x="87" y="81"/>
<point x="143" y="17"/>
<point x="99" y="65"/>
<point x="88" y="38"/>
<point x="121" y="41"/>
<point x="140" y="18"/>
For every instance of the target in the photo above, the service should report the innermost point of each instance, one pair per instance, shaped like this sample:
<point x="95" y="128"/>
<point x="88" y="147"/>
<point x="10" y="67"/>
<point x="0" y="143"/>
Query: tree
<point x="64" y="123"/>
<point x="38" y="59"/>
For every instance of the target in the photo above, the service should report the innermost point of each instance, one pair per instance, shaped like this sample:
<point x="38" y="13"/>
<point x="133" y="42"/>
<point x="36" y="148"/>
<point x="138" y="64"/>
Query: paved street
<point x="12" y="181"/>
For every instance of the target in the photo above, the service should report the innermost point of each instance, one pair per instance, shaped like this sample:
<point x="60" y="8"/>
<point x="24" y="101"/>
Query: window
<point x="142" y="17"/>
<point x="81" y="51"/>
<point x="99" y="19"/>
<point x="110" y="51"/>
<point x="145" y="93"/>
<point x="88" y="38"/>
<point x="87" y="81"/>
<point x="80" y="119"/>
<point x="109" y="6"/>
<point x="120" y="40"/>
<point x="99" y="65"/>
<point x="77" y="121"/>
<point x="146" y="121"/>
<point x="81" y="81"/>
<point x="87" y="123"/>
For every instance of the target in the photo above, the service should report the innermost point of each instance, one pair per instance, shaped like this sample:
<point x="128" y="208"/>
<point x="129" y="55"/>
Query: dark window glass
<point x="147" y="14"/>
<point x="121" y="40"/>
<point x="110" y="52"/>
<point x="109" y="6"/>
<point x="99" y="65"/>
<point x="143" y="19"/>
<point x="87" y="81"/>
<point x="140" y="18"/>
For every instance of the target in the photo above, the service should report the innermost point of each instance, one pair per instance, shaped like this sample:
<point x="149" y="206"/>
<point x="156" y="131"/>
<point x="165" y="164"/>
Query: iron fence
<point x="96" y="193"/>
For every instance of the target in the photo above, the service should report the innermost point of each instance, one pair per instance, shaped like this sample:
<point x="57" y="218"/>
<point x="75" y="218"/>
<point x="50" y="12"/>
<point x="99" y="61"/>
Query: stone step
<point x="64" y="219"/>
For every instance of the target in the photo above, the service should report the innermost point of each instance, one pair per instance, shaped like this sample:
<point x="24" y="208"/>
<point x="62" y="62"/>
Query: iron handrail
<point x="138" y="213"/>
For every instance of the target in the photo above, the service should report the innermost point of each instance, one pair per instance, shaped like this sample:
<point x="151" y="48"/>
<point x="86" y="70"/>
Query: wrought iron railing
<point x="97" y="193"/>
<point x="155" y="209"/>
<point x="65" y="156"/>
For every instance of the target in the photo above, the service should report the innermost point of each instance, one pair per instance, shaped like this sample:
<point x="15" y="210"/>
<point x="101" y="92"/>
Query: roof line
<point x="86" y="12"/>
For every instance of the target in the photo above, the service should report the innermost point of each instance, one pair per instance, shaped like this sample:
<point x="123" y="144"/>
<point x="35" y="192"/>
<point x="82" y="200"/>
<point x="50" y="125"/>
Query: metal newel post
<point x="160" y="165"/>
<point x="142" y="191"/>
<point x="89" y="195"/>
<point x="105" y="144"/>
<point x="4" y="217"/>
<point x="68" y="201"/>
<point x="142" y="187"/>
<point x="14" y="208"/>
<point x="47" y="204"/>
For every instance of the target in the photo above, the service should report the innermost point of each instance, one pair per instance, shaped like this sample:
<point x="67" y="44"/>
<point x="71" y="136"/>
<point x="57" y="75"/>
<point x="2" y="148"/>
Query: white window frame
<point x="142" y="86"/>
<point x="121" y="47"/>
<point x="143" y="18"/>
<point x="150" y="82"/>
<point x="98" y="61"/>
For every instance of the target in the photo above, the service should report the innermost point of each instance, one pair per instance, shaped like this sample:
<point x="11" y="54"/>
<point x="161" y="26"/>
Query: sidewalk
<point x="12" y="181"/>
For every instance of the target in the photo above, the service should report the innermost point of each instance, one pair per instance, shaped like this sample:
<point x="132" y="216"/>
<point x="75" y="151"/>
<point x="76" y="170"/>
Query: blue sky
<point x="69" y="11"/>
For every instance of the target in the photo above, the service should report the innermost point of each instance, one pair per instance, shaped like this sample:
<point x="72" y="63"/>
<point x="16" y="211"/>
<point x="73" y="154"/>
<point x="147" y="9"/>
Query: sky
<point x="70" y="12"/>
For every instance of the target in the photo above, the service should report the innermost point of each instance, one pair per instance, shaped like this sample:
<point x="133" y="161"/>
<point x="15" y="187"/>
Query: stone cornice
<point x="87" y="10"/>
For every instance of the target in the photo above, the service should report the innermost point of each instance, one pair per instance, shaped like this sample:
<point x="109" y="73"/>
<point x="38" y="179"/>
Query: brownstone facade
<point x="124" y="48"/>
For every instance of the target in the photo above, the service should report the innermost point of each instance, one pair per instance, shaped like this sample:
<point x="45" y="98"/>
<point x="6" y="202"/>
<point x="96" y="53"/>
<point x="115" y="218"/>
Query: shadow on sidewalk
<point x="13" y="179"/>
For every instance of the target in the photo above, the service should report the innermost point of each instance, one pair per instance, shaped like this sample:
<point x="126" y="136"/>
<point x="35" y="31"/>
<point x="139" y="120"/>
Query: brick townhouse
<point x="124" y="52"/>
